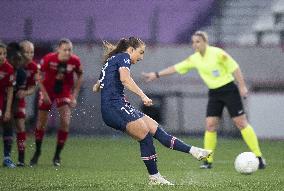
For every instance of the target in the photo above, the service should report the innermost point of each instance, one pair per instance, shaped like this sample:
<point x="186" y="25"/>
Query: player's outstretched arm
<point x="155" y="75"/>
<point x="129" y="83"/>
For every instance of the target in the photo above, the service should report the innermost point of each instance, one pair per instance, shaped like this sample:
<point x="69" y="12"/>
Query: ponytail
<point x="122" y="45"/>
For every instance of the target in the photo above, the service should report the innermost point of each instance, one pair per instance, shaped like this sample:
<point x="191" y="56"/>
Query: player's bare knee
<point x="20" y="129"/>
<point x="240" y="124"/>
<point x="41" y="124"/>
<point x="211" y="126"/>
<point x="144" y="132"/>
<point x="64" y="125"/>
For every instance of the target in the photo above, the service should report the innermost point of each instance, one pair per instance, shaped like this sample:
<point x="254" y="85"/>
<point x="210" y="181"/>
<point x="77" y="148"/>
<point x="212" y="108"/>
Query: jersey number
<point x="129" y="110"/>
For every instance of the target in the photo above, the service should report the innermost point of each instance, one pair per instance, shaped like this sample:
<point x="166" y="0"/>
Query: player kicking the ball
<point x="119" y="114"/>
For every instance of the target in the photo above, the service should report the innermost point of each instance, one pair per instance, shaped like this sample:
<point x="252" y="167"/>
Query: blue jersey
<point x="110" y="84"/>
<point x="116" y="111"/>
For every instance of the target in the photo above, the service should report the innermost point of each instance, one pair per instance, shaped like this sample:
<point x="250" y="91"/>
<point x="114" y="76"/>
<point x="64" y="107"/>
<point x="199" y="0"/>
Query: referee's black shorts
<point x="225" y="96"/>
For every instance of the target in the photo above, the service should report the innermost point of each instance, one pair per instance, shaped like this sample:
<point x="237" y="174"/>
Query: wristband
<point x="157" y="74"/>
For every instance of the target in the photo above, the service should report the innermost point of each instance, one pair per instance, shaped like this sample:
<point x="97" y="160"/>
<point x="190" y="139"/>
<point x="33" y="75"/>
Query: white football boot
<point x="200" y="153"/>
<point x="158" y="179"/>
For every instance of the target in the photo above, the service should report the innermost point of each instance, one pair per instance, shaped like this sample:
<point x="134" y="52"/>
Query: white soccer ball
<point x="246" y="163"/>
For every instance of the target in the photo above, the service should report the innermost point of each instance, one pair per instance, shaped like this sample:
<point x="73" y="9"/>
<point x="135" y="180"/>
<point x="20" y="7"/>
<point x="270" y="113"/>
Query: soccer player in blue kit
<point x="119" y="114"/>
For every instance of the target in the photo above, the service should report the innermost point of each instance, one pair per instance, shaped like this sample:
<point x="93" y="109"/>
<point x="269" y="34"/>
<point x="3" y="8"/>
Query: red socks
<point x="61" y="137"/>
<point x="21" y="141"/>
<point x="39" y="133"/>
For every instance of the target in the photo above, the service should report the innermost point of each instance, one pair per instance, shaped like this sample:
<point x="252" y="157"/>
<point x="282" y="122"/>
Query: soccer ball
<point x="246" y="163"/>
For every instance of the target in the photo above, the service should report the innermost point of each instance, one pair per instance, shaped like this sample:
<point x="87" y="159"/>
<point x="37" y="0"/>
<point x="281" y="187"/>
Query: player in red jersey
<point x="25" y="88"/>
<point x="7" y="80"/>
<point x="57" y="86"/>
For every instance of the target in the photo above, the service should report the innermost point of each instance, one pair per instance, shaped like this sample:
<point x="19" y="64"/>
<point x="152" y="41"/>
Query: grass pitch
<point x="112" y="163"/>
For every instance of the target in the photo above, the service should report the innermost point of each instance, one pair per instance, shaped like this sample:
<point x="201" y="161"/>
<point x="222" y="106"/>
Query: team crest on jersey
<point x="127" y="61"/>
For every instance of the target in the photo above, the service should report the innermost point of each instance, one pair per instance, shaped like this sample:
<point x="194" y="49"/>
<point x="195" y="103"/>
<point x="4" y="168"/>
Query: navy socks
<point x="171" y="141"/>
<point x="148" y="154"/>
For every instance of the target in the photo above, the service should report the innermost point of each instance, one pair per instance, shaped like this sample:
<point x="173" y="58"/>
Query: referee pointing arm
<point x="219" y="71"/>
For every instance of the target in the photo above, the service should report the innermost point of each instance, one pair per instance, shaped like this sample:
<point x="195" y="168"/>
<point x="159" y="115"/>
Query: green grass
<point x="114" y="164"/>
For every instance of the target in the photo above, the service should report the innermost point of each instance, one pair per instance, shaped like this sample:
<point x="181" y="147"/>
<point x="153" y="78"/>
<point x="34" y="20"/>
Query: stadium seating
<point x="269" y="27"/>
<point x="237" y="22"/>
<point x="163" y="21"/>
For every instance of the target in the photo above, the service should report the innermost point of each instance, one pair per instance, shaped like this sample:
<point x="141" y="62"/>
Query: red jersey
<point x="7" y="77"/>
<point x="54" y="69"/>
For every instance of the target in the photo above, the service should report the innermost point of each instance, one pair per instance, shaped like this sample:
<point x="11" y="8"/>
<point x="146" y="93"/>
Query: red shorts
<point x="59" y="99"/>
<point x="19" y="107"/>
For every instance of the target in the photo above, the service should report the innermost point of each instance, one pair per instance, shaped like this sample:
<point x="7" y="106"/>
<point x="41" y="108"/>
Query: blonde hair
<point x="25" y="43"/>
<point x="202" y="34"/>
<point x="2" y="45"/>
<point x="121" y="46"/>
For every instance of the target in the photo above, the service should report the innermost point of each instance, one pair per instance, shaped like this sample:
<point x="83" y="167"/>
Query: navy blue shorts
<point x="118" y="113"/>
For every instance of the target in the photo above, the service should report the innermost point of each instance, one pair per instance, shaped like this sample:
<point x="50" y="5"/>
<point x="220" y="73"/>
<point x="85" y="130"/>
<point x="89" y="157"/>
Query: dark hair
<point x="2" y="45"/>
<point x="14" y="54"/>
<point x="201" y="34"/>
<point x="122" y="45"/>
<point x="64" y="41"/>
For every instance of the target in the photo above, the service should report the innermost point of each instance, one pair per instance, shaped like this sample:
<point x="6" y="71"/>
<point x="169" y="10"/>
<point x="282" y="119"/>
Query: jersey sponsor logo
<point x="53" y="63"/>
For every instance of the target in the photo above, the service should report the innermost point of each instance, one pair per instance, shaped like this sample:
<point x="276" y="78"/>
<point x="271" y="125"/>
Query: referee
<point x="218" y="71"/>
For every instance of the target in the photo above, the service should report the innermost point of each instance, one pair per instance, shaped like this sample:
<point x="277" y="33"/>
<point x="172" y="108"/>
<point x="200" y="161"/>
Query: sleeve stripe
<point x="124" y="67"/>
